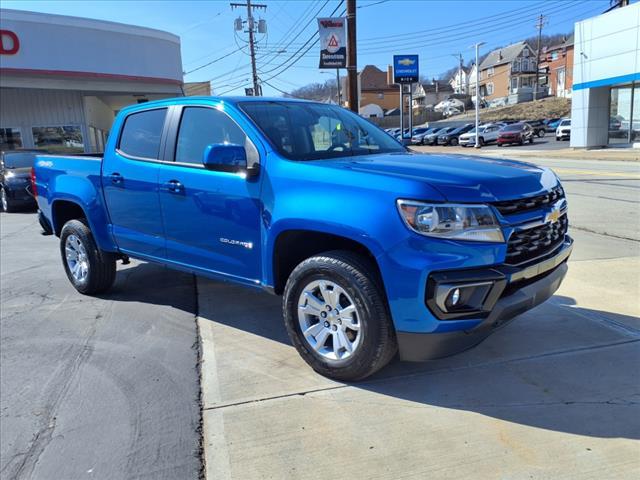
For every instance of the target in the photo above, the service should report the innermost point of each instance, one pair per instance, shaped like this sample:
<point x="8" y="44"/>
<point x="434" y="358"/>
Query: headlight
<point x="456" y="222"/>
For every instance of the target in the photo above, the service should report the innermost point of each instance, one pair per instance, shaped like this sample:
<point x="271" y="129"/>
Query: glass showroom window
<point x="624" y="106"/>
<point x="10" y="138"/>
<point x="59" y="139"/>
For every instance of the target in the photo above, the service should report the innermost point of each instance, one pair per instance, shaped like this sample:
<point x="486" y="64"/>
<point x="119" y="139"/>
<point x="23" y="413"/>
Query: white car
<point x="563" y="132"/>
<point x="488" y="134"/>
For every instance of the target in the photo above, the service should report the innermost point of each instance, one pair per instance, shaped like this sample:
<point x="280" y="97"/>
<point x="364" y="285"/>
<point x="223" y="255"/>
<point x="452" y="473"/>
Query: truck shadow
<point x="558" y="367"/>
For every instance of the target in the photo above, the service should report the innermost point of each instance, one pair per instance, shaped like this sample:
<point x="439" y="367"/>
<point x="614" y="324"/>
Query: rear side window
<point x="142" y="132"/>
<point x="201" y="127"/>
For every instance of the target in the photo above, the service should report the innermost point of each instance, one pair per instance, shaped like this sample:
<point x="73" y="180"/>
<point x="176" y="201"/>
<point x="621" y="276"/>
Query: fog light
<point x="455" y="296"/>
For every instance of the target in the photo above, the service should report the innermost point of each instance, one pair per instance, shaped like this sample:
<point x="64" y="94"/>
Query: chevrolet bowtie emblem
<point x="553" y="216"/>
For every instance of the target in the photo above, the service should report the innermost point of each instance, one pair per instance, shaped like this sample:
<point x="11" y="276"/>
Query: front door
<point x="211" y="218"/>
<point x="130" y="184"/>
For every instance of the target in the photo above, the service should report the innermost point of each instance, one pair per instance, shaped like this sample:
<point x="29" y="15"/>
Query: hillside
<point x="552" y="107"/>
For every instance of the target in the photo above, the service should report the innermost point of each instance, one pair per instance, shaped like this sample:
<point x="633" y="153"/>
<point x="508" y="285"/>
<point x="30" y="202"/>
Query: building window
<point x="490" y="71"/>
<point x="141" y="133"/>
<point x="10" y="138"/>
<point x="67" y="138"/>
<point x="514" y="84"/>
<point x="490" y="88"/>
<point x="624" y="106"/>
<point x="525" y="52"/>
<point x="554" y="55"/>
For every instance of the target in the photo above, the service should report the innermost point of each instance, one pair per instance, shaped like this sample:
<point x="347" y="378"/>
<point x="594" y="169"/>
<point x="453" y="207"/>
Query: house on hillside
<point x="374" y="89"/>
<point x="425" y="94"/>
<point x="460" y="81"/>
<point x="556" y="68"/>
<point x="507" y="71"/>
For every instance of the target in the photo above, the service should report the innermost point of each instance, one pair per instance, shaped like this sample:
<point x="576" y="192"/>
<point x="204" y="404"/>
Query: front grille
<point x="525" y="245"/>
<point x="510" y="207"/>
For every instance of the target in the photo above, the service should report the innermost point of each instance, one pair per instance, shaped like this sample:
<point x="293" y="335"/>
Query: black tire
<point x="541" y="134"/>
<point x="44" y="223"/>
<point x="499" y="144"/>
<point x="481" y="141"/>
<point x="359" y="279"/>
<point x="102" y="265"/>
<point x="531" y="139"/>
<point x="454" y="142"/>
<point x="6" y="205"/>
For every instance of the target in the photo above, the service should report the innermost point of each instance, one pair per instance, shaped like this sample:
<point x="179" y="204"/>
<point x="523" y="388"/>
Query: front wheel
<point x="89" y="269"/>
<point x="453" y="142"/>
<point x="541" y="133"/>
<point x="336" y="316"/>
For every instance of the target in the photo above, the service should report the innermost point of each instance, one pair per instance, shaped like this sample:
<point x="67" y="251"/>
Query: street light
<point x="477" y="47"/>
<point x="338" y="99"/>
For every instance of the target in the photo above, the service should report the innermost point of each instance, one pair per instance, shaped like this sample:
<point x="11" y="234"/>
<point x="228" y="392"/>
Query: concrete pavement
<point x="103" y="388"/>
<point x="553" y="395"/>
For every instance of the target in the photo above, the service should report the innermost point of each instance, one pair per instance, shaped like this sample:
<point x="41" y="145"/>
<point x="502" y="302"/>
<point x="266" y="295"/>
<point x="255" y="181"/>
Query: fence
<point x="420" y="118"/>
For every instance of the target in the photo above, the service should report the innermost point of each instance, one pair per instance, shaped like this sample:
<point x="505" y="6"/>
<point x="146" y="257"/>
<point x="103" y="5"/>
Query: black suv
<point x="451" y="138"/>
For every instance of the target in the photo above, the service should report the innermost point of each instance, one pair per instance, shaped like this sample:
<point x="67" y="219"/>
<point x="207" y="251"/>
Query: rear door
<point x="130" y="184"/>
<point x="211" y="218"/>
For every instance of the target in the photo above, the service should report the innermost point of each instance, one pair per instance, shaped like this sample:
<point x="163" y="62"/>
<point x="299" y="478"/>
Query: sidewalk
<point x="613" y="154"/>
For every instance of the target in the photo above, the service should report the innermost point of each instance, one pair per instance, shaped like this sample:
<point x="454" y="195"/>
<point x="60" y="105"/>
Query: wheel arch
<point x="292" y="246"/>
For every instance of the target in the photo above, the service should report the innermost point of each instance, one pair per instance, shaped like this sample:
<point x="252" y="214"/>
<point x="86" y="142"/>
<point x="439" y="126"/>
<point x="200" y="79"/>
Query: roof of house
<point x="503" y="55"/>
<point x="443" y="86"/>
<point x="372" y="78"/>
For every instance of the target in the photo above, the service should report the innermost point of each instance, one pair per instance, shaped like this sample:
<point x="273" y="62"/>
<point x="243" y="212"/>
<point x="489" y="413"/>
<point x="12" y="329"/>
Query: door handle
<point x="116" y="178"/>
<point x="173" y="186"/>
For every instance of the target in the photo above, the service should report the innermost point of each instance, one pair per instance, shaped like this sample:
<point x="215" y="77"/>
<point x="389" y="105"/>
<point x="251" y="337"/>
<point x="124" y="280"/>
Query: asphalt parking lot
<point x="108" y="387"/>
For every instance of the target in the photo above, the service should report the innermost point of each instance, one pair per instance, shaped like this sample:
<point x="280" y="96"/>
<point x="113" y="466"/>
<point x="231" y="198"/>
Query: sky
<point x="436" y="30"/>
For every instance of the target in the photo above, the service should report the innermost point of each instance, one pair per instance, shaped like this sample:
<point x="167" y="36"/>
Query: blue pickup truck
<point x="375" y="249"/>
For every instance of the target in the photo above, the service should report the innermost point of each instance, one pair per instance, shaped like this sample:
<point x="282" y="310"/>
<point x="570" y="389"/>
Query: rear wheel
<point x="89" y="269"/>
<point x="336" y="316"/>
<point x="453" y="142"/>
<point x="541" y="133"/>
<point x="531" y="139"/>
<point x="481" y="141"/>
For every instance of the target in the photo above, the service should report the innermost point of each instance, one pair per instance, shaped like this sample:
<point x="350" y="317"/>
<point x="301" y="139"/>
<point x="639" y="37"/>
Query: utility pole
<point x="459" y="82"/>
<point x="338" y="85"/>
<point x="251" y="27"/>
<point x="478" y="45"/>
<point x="541" y="21"/>
<point x="352" y="60"/>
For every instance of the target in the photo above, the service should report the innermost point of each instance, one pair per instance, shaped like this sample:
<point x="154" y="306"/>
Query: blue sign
<point x="405" y="68"/>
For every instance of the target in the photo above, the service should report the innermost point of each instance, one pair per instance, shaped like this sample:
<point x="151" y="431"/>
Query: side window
<point x="142" y="132"/>
<point x="202" y="126"/>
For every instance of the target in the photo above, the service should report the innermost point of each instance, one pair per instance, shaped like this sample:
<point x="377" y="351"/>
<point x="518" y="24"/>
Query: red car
<point x="516" y="133"/>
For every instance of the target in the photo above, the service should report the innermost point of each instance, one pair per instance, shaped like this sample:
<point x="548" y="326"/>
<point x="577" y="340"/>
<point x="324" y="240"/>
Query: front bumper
<point x="521" y="289"/>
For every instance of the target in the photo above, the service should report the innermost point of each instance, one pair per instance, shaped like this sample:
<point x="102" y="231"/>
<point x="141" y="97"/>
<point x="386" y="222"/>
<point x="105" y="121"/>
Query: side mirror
<point x="228" y="157"/>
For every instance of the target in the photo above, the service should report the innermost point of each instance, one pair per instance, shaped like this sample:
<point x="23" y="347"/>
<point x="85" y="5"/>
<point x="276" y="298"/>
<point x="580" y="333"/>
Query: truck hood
<point x="459" y="178"/>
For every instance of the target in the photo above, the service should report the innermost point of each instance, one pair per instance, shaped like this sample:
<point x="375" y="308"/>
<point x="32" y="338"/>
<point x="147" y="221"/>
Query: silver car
<point x="488" y="134"/>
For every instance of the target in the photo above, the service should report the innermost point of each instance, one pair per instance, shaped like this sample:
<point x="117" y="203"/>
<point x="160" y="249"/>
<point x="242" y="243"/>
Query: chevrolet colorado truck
<point x="374" y="248"/>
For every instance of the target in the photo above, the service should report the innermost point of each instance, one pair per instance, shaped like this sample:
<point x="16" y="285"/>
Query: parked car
<point x="552" y="124"/>
<point x="515" y="133"/>
<point x="539" y="127"/>
<point x="488" y="134"/>
<point x="416" y="135"/>
<point x="375" y="249"/>
<point x="563" y="132"/>
<point x="451" y="138"/>
<point x="15" y="179"/>
<point x="432" y="138"/>
<point x="419" y="138"/>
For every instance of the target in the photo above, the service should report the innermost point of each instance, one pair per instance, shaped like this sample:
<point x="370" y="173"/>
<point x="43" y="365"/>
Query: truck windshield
<point x="313" y="131"/>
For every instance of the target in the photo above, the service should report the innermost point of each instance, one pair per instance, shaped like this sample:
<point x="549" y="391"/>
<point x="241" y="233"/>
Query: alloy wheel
<point x="76" y="257"/>
<point x="329" y="320"/>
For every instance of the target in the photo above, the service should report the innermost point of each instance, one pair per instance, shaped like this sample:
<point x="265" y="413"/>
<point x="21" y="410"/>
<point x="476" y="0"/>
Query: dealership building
<point x="606" y="80"/>
<point x="63" y="79"/>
